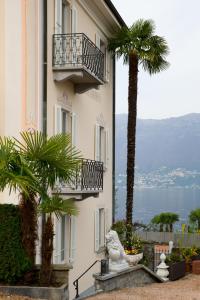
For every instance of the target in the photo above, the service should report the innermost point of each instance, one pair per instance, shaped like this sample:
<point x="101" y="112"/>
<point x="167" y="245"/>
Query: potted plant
<point x="131" y="242"/>
<point x="177" y="265"/>
<point x="132" y="246"/>
<point x="190" y="254"/>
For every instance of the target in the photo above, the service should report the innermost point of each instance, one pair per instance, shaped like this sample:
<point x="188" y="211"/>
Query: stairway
<point x="88" y="293"/>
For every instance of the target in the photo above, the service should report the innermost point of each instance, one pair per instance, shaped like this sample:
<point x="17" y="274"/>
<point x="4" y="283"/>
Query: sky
<point x="176" y="91"/>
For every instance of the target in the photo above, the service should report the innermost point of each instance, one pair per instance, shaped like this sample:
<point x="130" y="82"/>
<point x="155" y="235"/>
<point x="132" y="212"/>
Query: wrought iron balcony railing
<point x="76" y="50"/>
<point x="89" y="178"/>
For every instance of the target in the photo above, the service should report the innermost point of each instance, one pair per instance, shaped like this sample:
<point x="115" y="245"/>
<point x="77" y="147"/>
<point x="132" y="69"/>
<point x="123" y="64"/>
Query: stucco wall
<point x="90" y="107"/>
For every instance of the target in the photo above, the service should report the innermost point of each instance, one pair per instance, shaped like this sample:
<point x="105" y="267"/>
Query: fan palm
<point x="16" y="175"/>
<point x="51" y="159"/>
<point x="138" y="45"/>
<point x="32" y="166"/>
<point x="167" y="219"/>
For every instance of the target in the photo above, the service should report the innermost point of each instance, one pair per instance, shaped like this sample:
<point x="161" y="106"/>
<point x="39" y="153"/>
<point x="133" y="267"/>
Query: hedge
<point x="13" y="260"/>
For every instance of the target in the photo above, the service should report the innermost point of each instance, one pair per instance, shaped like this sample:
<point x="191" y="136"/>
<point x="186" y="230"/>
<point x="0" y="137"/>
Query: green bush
<point x="13" y="260"/>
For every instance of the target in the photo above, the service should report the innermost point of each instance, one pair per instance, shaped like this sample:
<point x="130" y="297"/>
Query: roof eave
<point x="115" y="13"/>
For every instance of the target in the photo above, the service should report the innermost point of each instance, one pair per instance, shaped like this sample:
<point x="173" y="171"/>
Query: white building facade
<point x="60" y="77"/>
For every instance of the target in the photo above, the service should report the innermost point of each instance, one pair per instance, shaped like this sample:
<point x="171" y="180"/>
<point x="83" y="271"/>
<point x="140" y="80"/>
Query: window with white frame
<point x="102" y="145"/>
<point x="61" y="240"/>
<point x="99" y="229"/>
<point x="62" y="17"/>
<point x="65" y="239"/>
<point x="65" y="122"/>
<point x="66" y="119"/>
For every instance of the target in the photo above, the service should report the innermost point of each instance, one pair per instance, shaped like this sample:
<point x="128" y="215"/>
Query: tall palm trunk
<point x="28" y="212"/>
<point x="131" y="133"/>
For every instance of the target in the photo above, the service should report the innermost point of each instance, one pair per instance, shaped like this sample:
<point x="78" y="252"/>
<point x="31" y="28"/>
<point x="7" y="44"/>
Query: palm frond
<point x="150" y="49"/>
<point x="14" y="171"/>
<point x="58" y="206"/>
<point x="51" y="158"/>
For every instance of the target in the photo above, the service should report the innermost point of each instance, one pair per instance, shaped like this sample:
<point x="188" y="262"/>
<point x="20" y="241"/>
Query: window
<point x="61" y="240"/>
<point x="66" y="120"/>
<point x="101" y="145"/>
<point x="62" y="16"/>
<point x="99" y="228"/>
<point x="65" y="239"/>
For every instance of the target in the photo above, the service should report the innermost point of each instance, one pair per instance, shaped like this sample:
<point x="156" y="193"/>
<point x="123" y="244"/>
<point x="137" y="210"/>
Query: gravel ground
<point x="13" y="297"/>
<point x="187" y="288"/>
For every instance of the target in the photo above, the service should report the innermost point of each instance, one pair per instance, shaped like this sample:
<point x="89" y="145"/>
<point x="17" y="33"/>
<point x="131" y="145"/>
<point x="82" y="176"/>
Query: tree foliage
<point x="194" y="217"/>
<point x="165" y="220"/>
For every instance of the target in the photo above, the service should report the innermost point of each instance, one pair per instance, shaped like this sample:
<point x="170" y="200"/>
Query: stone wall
<point x="131" y="277"/>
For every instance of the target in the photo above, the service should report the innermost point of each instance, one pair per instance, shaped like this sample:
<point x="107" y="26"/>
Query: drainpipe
<point x="113" y="142"/>
<point x="44" y="89"/>
<point x="44" y="100"/>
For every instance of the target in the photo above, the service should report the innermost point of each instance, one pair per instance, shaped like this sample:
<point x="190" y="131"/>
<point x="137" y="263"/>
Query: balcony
<point x="76" y="58"/>
<point x="88" y="181"/>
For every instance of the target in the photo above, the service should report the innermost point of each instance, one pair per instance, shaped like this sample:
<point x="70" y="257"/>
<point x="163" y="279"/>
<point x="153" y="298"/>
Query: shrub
<point x="13" y="260"/>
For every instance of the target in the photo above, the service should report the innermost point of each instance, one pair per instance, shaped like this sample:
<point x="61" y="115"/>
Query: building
<point x="57" y="76"/>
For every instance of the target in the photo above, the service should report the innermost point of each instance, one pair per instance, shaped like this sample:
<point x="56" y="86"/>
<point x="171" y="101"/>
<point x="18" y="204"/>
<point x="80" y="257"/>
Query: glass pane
<point x="64" y="121"/>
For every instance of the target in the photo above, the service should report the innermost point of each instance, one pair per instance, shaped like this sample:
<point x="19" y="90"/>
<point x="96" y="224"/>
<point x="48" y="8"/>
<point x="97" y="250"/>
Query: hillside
<point x="173" y="143"/>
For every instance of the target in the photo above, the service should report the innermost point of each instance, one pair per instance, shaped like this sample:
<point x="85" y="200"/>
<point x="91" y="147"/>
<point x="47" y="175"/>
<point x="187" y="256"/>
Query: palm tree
<point x="138" y="46"/>
<point x="16" y="175"/>
<point x="157" y="221"/>
<point x="194" y="217"/>
<point x="167" y="219"/>
<point x="171" y="219"/>
<point x="50" y="159"/>
<point x="32" y="167"/>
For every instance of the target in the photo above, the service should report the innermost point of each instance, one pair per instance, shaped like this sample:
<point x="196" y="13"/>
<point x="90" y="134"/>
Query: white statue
<point x="117" y="255"/>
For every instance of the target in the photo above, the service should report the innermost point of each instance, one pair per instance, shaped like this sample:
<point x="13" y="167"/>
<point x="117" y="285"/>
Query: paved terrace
<point x="187" y="288"/>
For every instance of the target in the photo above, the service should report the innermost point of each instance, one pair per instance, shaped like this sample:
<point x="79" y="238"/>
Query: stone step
<point x="88" y="293"/>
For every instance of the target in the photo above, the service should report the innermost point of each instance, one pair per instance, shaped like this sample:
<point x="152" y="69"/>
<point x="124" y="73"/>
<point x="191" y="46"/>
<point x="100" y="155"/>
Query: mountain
<point x="172" y="143"/>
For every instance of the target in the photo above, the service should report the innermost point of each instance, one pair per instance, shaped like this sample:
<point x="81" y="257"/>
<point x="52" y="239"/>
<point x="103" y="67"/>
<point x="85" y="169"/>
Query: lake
<point x="149" y="202"/>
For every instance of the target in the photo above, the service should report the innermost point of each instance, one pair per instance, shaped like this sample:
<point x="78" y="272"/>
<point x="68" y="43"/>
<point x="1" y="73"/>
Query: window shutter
<point x="107" y="65"/>
<point x="58" y="119"/>
<point x="106" y="148"/>
<point x="98" y="41"/>
<point x="74" y="19"/>
<point x="97" y="142"/>
<point x="108" y="220"/>
<point x="96" y="222"/>
<point x="58" y="16"/>
<point x="74" y="129"/>
<point x="72" y="239"/>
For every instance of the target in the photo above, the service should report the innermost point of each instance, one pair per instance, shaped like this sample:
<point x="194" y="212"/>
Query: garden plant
<point x="31" y="167"/>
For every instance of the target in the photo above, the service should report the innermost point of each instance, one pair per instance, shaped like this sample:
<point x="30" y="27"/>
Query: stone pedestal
<point x="162" y="268"/>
